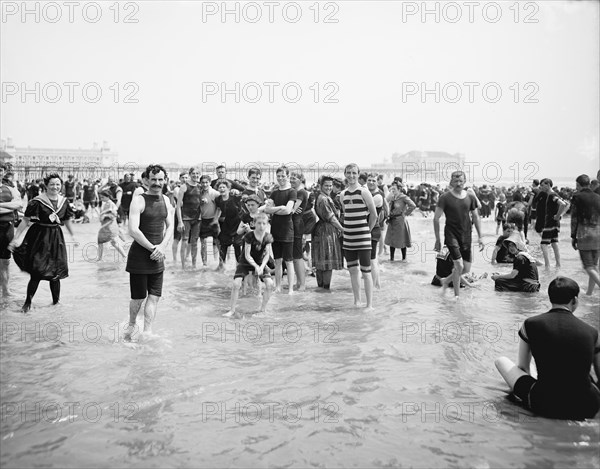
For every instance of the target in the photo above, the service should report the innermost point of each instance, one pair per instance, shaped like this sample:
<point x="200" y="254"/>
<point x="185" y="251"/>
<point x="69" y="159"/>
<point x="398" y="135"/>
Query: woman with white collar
<point x="43" y="252"/>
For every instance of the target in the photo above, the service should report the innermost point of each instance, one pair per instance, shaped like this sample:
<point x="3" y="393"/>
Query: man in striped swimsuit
<point x="360" y="216"/>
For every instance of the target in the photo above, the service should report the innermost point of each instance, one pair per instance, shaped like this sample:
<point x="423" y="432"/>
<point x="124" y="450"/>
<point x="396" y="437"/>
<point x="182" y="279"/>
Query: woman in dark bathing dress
<point x="43" y="253"/>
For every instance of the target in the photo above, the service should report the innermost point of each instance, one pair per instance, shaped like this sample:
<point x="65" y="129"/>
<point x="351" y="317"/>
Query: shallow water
<point x="314" y="383"/>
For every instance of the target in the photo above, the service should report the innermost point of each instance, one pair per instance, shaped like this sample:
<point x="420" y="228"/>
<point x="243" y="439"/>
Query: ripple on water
<point x="313" y="383"/>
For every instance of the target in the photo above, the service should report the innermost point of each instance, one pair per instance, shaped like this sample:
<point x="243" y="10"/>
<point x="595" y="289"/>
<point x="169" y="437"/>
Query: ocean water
<point x="314" y="383"/>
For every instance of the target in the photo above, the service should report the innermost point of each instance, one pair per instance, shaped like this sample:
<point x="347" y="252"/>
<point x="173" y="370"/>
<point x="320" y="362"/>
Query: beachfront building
<point x="422" y="166"/>
<point x="33" y="162"/>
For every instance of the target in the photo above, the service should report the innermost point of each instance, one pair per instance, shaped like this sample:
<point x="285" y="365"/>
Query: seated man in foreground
<point x="564" y="348"/>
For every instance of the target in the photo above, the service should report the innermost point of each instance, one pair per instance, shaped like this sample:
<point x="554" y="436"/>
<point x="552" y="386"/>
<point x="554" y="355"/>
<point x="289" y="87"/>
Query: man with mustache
<point x="151" y="227"/>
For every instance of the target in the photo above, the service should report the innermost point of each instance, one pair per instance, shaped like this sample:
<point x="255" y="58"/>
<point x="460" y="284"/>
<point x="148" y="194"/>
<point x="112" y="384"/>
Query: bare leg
<point x="266" y="295"/>
<point x="375" y="273"/>
<point x="278" y="274"/>
<point x="194" y="250"/>
<point x="4" y="276"/>
<point x="134" y="309"/>
<point x="368" y="281"/>
<point x="290" y="275"/>
<point x="100" y="251"/>
<point x="300" y="270"/>
<point x="546" y="258"/>
<point x="150" y="312"/>
<point x="182" y="253"/>
<point x="594" y="279"/>
<point x="509" y="371"/>
<point x="117" y="245"/>
<point x="355" y="280"/>
<point x="235" y="293"/>
<point x="457" y="271"/>
<point x="175" y="249"/>
<point x="556" y="253"/>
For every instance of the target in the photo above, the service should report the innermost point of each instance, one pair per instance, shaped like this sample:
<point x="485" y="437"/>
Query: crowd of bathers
<point x="222" y="209"/>
<point x="346" y="221"/>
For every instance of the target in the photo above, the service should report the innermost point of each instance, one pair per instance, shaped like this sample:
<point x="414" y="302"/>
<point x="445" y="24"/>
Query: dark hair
<point x="252" y="171"/>
<point x="548" y="181"/>
<point x="509" y="226"/>
<point x="52" y="176"/>
<point x="183" y="173"/>
<point x="562" y="290"/>
<point x="363" y="175"/>
<point x="155" y="169"/>
<point x="583" y="180"/>
<point x="205" y="176"/>
<point x="284" y="169"/>
<point x="220" y="167"/>
<point x="105" y="193"/>
<point x="517" y="197"/>
<point x="193" y="169"/>
<point x="536" y="182"/>
<point x="222" y="181"/>
<point x="323" y="179"/>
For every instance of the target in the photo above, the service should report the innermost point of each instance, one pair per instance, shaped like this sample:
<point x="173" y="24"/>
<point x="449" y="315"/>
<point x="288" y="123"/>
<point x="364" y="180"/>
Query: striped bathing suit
<point x="357" y="236"/>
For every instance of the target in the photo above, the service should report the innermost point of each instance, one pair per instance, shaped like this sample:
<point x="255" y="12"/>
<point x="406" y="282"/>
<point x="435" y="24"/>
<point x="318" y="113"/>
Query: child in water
<point x="109" y="230"/>
<point x="256" y="254"/>
<point x="500" y="212"/>
<point x="564" y="349"/>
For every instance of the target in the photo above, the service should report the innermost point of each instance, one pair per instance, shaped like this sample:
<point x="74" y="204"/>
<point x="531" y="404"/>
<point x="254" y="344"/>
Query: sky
<point x="317" y="82"/>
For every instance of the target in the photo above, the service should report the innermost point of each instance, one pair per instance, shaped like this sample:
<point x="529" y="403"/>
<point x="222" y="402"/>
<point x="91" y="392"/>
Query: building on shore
<point x="422" y="166"/>
<point x="35" y="162"/>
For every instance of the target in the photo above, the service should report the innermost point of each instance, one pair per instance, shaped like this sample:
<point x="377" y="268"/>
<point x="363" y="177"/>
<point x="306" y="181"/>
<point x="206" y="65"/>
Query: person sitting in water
<point x="564" y="349"/>
<point x="501" y="254"/>
<point x="256" y="254"/>
<point x="524" y="276"/>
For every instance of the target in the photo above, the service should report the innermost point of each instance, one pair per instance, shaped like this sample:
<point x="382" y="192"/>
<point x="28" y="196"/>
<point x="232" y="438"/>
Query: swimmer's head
<point x="562" y="291"/>
<point x="261" y="221"/>
<point x="252" y="201"/>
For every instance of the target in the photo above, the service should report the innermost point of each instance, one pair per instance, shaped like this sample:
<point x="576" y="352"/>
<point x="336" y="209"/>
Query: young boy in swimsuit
<point x="564" y="349"/>
<point x="256" y="255"/>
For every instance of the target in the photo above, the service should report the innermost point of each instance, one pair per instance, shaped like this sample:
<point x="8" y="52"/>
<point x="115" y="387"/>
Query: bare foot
<point x="229" y="314"/>
<point x="128" y="333"/>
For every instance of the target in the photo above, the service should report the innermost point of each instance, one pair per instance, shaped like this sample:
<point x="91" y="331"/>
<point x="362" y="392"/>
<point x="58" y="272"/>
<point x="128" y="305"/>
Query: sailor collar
<point x="44" y="200"/>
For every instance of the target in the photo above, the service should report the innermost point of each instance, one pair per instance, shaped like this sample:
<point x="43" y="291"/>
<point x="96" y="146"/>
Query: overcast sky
<point x="374" y="59"/>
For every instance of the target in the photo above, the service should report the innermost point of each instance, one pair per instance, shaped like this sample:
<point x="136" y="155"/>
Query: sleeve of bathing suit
<point x="523" y="333"/>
